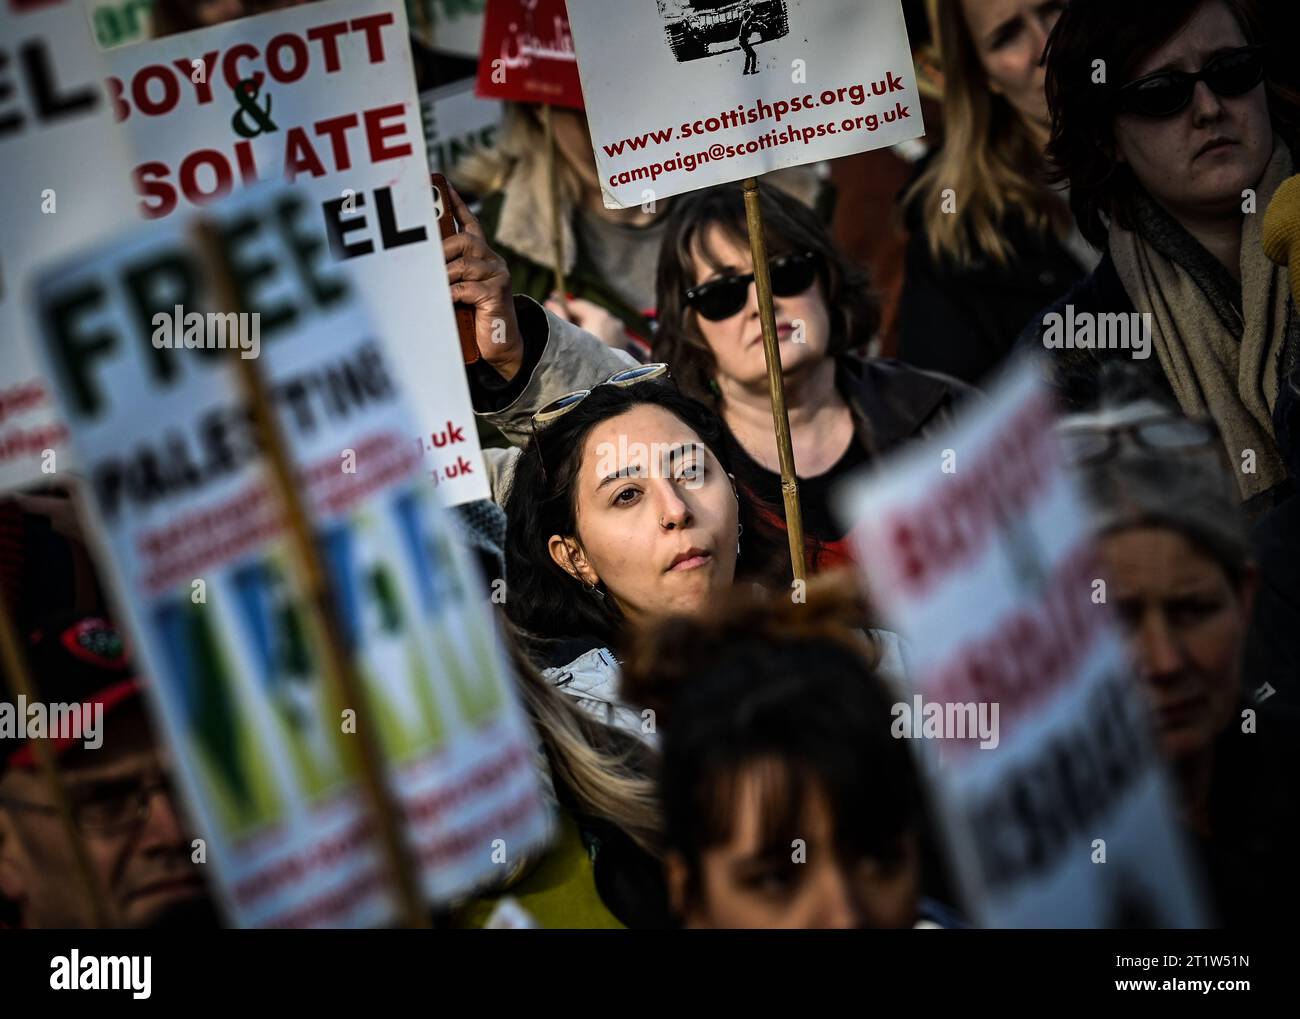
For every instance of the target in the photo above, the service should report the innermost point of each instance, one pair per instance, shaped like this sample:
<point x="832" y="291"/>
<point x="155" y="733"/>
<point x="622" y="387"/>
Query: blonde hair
<point x="988" y="158"/>
<point x="520" y="141"/>
<point x="604" y="771"/>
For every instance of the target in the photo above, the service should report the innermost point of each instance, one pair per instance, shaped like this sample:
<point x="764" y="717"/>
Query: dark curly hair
<point x="544" y="601"/>
<point x="790" y="226"/>
<point x="1122" y="34"/>
<point x="788" y="694"/>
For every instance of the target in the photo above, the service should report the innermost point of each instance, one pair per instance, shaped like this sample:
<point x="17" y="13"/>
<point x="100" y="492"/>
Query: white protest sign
<point x="457" y="123"/>
<point x="196" y="542"/>
<point x="684" y="94"/>
<point x="63" y="166"/>
<point x="977" y="549"/>
<point x="322" y="96"/>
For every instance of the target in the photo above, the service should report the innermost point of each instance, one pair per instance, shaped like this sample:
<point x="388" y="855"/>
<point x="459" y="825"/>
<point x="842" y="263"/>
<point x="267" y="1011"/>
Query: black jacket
<point x="1254" y="812"/>
<point x="964" y="319"/>
<point x="1075" y="373"/>
<point x="892" y="404"/>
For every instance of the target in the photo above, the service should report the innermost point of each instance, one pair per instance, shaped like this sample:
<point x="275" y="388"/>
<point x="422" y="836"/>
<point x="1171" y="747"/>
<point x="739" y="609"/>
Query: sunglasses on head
<point x="1167" y="93"/>
<point x="559" y="407"/>
<point x="721" y="298"/>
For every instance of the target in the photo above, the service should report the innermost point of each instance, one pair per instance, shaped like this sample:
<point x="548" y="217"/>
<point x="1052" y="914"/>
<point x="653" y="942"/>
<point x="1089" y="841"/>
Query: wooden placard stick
<point x="776" y="383"/>
<point x="557" y="221"/>
<point x="337" y="664"/>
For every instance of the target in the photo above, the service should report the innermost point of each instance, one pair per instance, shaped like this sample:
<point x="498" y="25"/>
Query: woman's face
<point x="657" y="517"/>
<point x="802" y="321"/>
<point x="1200" y="161"/>
<point x="1186" y="624"/>
<point x="816" y="885"/>
<point x="1010" y="36"/>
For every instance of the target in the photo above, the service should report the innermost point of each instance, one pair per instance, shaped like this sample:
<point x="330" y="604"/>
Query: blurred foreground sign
<point x="63" y="168"/>
<point x="1024" y="707"/>
<point x="195" y="538"/>
<point x="321" y="96"/>
<point x="685" y="94"/>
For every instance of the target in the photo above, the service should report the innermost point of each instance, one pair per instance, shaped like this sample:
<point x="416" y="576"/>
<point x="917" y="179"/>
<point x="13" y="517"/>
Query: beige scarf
<point x="1228" y="374"/>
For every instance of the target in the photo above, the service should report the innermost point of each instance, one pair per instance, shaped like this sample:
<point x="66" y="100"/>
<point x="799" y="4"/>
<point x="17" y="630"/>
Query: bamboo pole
<point x="776" y="384"/>
<point x="15" y="663"/>
<point x="337" y="662"/>
<point x="557" y="221"/>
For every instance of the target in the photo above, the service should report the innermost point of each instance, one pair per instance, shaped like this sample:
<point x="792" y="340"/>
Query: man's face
<point x="143" y="864"/>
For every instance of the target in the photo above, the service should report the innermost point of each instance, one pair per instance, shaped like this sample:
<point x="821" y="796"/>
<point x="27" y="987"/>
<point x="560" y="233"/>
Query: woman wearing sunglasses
<point x="844" y="409"/>
<point x="1173" y="142"/>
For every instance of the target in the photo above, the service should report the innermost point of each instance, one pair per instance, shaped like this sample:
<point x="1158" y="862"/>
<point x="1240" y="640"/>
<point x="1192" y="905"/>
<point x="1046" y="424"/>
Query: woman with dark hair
<point x="1167" y="126"/>
<point x="991" y="241"/>
<point x="787" y="802"/>
<point x="1182" y="578"/>
<point x="845" y="409"/>
<point x="620" y="511"/>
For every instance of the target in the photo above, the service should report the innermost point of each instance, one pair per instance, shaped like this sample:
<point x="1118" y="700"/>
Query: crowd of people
<point x="719" y="754"/>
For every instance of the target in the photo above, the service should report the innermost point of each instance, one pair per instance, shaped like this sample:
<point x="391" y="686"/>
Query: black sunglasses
<point x="721" y="298"/>
<point x="1167" y="93"/>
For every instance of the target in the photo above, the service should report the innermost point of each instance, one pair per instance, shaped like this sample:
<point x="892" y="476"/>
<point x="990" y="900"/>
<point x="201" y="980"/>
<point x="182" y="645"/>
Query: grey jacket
<point x="559" y="358"/>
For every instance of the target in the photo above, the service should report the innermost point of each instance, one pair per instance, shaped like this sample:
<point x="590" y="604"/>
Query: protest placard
<point x="323" y="97"/>
<point x="195" y="539"/>
<point x="457" y="25"/>
<point x="1046" y="779"/>
<point x="684" y="94"/>
<point x="457" y="123"/>
<point x="527" y="54"/>
<point x="54" y="122"/>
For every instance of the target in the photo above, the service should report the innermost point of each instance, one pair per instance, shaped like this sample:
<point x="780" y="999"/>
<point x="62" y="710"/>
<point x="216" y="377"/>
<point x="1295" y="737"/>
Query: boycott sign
<point x="198" y="549"/>
<point x="54" y="121"/>
<point x="457" y="123"/>
<point x="986" y="568"/>
<point x="322" y="97"/>
<point x="684" y="94"/>
<point x="527" y="54"/>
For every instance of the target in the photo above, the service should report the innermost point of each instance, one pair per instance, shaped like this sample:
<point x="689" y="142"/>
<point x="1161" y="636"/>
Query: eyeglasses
<point x="1091" y="444"/>
<point x="721" y="298"/>
<point x="99" y="812"/>
<point x="1167" y="93"/>
<point x="559" y="407"/>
